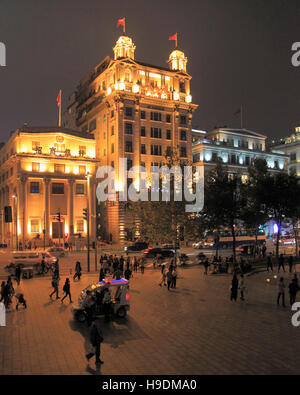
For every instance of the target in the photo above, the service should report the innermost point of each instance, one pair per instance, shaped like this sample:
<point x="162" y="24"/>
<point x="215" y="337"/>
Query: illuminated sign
<point x="161" y="93"/>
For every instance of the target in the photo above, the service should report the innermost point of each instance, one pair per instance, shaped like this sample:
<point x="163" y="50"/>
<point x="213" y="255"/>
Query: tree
<point x="254" y="213"/>
<point x="223" y="201"/>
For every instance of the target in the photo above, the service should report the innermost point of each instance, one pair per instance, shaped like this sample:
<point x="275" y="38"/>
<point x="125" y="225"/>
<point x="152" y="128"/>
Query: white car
<point x="58" y="252"/>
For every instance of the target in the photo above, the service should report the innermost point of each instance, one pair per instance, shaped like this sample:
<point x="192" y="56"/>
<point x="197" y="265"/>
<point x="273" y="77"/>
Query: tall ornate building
<point x="136" y="111"/>
<point x="45" y="171"/>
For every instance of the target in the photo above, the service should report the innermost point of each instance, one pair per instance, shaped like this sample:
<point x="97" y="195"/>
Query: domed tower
<point x="177" y="60"/>
<point x="124" y="48"/>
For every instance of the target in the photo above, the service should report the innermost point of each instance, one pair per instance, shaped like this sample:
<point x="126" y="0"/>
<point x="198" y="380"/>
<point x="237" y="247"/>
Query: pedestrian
<point x="291" y="263"/>
<point x="169" y="279"/>
<point x="293" y="288"/>
<point x="127" y="274"/>
<point x="163" y="272"/>
<point x="21" y="300"/>
<point x="54" y="284"/>
<point x="89" y="305"/>
<point x="269" y="262"/>
<point x="281" y="289"/>
<point x="96" y="338"/>
<point x="66" y="289"/>
<point x="264" y="249"/>
<point x="142" y="265"/>
<point x="174" y="278"/>
<point x="77" y="271"/>
<point x="117" y="274"/>
<point x="2" y="290"/>
<point x="107" y="304"/>
<point x="281" y="263"/>
<point x="101" y="275"/>
<point x="135" y="264"/>
<point x="242" y="287"/>
<point x="56" y="268"/>
<point x="18" y="274"/>
<point x="206" y="266"/>
<point x="234" y="287"/>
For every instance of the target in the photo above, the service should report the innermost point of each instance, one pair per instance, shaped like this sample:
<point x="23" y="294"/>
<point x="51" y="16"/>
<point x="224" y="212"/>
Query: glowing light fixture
<point x="176" y="96"/>
<point x="135" y="88"/>
<point x="188" y="98"/>
<point x="108" y="91"/>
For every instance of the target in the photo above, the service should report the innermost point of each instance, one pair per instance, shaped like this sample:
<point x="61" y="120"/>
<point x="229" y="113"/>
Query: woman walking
<point x="66" y="290"/>
<point x="234" y="288"/>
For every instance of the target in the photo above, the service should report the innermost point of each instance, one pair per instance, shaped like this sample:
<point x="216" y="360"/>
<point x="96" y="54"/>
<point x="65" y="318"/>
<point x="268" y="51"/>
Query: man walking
<point x="96" y="338"/>
<point x="163" y="272"/>
<point x="293" y="288"/>
<point x="269" y="262"/>
<point x="54" y="284"/>
<point x="281" y="263"/>
<point x="291" y="263"/>
<point x="169" y="279"/>
<point x="66" y="290"/>
<point x="281" y="289"/>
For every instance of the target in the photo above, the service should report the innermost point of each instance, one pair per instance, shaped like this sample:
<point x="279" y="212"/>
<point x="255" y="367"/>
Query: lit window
<point x="34" y="226"/>
<point x="82" y="169"/>
<point x="59" y="168"/>
<point x="79" y="189"/>
<point x="79" y="226"/>
<point x="57" y="188"/>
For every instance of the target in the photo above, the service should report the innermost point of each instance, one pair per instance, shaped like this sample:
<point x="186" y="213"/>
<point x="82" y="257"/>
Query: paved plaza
<point x="194" y="329"/>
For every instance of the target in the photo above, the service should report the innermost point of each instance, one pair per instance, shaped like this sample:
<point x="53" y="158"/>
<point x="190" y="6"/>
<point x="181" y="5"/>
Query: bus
<point x="242" y="236"/>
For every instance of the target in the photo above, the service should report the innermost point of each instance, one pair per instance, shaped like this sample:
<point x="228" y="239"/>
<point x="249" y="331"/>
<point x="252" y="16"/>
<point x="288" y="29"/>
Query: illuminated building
<point x="237" y="149"/>
<point x="135" y="111"/>
<point x="291" y="146"/>
<point x="44" y="171"/>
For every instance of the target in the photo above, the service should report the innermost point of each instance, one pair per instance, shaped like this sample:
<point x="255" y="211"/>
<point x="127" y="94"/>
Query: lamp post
<point x="16" y="218"/>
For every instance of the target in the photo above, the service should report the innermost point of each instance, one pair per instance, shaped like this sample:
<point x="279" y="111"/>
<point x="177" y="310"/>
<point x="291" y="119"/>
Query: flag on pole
<point x="174" y="37"/>
<point x="58" y="101"/>
<point x="238" y="111"/>
<point x="121" y="22"/>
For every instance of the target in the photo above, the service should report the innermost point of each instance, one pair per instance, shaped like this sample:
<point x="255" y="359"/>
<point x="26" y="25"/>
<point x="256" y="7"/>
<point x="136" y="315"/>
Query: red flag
<point x="238" y="111"/>
<point x="174" y="37"/>
<point x="121" y="22"/>
<point x="58" y="100"/>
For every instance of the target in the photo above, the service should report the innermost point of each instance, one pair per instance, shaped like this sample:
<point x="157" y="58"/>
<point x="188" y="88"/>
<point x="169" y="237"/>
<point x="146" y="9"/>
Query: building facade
<point x="135" y="111"/>
<point x="237" y="149"/>
<point x="291" y="146"/>
<point x="43" y="172"/>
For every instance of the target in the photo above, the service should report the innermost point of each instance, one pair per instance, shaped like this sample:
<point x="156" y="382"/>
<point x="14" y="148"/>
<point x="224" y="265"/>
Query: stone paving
<point x="194" y="329"/>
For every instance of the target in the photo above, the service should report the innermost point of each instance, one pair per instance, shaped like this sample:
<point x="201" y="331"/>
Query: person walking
<point x="174" y="278"/>
<point x="18" y="274"/>
<point x="107" y="304"/>
<point x="163" y="272"/>
<point x="234" y="287"/>
<point x="269" y="262"/>
<point x="66" y="290"/>
<point x="96" y="338"/>
<point x="135" y="264"/>
<point x="293" y="289"/>
<point x="206" y="266"/>
<point x="242" y="287"/>
<point x="142" y="265"/>
<point x="54" y="284"/>
<point x="77" y="271"/>
<point x="281" y="291"/>
<point x="281" y="263"/>
<point x="56" y="269"/>
<point x="89" y="306"/>
<point x="291" y="263"/>
<point x="169" y="279"/>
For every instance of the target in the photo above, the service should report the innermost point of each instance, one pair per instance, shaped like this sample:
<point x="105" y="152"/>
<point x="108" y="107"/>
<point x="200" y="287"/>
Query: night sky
<point x="239" y="52"/>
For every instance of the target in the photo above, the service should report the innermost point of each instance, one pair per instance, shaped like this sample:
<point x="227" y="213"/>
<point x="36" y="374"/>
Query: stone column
<point x="71" y="207"/>
<point x="46" y="208"/>
<point x="23" y="208"/>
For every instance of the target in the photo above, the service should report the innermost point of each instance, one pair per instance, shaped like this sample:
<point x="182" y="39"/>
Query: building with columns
<point x="43" y="171"/>
<point x="237" y="149"/>
<point x="136" y="111"/>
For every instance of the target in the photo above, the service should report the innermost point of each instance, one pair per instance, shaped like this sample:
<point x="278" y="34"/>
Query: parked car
<point x="153" y="252"/>
<point x="138" y="246"/>
<point x="120" y="298"/>
<point x="171" y="247"/>
<point x="26" y="259"/>
<point x="245" y="249"/>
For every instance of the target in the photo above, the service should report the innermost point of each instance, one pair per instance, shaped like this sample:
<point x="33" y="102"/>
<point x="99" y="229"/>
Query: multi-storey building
<point x="290" y="146"/>
<point x="237" y="148"/>
<point x="136" y="111"/>
<point x="45" y="171"/>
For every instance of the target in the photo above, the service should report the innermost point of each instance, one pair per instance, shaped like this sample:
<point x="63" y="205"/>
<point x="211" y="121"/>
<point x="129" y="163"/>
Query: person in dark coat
<point x="66" y="290"/>
<point x="54" y="284"/>
<point x="281" y="263"/>
<point x="169" y="279"/>
<point x="18" y="274"/>
<point x="77" y="271"/>
<point x="269" y="262"/>
<point x="291" y="263"/>
<point x="234" y="288"/>
<point x="96" y="338"/>
<point x="293" y="288"/>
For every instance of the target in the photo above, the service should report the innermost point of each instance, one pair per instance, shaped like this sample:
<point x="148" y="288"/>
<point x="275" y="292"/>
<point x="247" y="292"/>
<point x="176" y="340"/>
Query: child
<point x="20" y="298"/>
